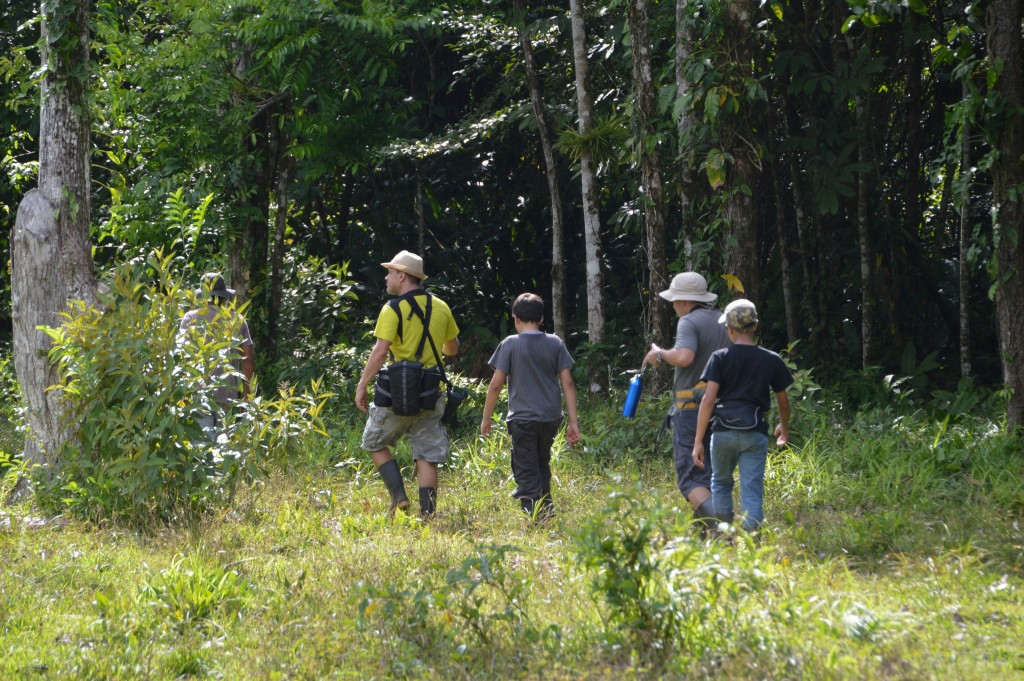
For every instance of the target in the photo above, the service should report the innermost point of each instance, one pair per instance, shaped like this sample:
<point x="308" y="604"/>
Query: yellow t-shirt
<point x="442" y="329"/>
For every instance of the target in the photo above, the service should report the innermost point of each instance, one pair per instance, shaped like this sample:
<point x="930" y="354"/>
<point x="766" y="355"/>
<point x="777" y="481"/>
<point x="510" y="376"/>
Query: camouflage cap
<point x="740" y="315"/>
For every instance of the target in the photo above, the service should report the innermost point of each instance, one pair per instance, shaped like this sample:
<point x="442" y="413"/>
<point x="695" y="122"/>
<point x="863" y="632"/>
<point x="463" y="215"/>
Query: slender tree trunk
<point x="740" y="209"/>
<point x="785" y="247"/>
<point x="343" y="217"/>
<point x="650" y="168"/>
<point x="965" y="243"/>
<point x="811" y="266"/>
<point x="1003" y="18"/>
<point x="912" y="188"/>
<point x="421" y="215"/>
<point x="284" y="176"/>
<point x="867" y="320"/>
<point x="943" y="220"/>
<point x="558" y="291"/>
<point x="51" y="258"/>
<point x="588" y="173"/>
<point x="686" y="123"/>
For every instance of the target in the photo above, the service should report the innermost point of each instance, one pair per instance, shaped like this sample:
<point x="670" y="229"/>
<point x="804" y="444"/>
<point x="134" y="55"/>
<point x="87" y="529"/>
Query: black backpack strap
<point x="415" y="309"/>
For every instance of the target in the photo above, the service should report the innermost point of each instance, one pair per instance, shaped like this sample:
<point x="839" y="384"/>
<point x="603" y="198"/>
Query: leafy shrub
<point x="480" y="607"/>
<point x="190" y="592"/>
<point x="11" y="440"/>
<point x="136" y="390"/>
<point x="666" y="593"/>
<point x="186" y="595"/>
<point x="313" y="306"/>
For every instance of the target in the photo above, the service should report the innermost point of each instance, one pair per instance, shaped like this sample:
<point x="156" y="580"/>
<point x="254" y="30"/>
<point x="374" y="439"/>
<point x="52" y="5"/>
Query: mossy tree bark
<point x="51" y="258"/>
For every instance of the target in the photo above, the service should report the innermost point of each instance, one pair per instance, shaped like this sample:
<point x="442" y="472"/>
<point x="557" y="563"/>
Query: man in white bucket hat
<point x="698" y="335"/>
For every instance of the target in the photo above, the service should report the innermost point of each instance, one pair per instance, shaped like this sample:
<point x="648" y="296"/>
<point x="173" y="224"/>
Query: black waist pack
<point x="407" y="388"/>
<point x="737" y="417"/>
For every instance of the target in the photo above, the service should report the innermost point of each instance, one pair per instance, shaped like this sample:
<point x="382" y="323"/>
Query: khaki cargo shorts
<point x="426" y="434"/>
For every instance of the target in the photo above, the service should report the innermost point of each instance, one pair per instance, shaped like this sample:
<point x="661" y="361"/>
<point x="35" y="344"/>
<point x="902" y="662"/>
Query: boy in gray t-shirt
<point x="536" y="365"/>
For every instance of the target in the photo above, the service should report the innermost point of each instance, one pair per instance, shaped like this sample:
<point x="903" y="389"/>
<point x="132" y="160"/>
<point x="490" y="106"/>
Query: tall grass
<point x="893" y="550"/>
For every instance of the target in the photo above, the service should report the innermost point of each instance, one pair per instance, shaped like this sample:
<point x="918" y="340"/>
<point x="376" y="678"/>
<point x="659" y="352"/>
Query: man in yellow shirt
<point x="400" y="333"/>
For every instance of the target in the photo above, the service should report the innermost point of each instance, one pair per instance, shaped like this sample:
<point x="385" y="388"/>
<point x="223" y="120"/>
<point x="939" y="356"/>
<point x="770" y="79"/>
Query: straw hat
<point x="407" y="262"/>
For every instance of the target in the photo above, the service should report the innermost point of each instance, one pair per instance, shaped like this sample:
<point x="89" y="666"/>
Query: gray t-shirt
<point x="533" y="361"/>
<point x="219" y="322"/>
<point x="698" y="331"/>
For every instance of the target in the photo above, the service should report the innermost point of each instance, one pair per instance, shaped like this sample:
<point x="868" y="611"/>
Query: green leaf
<point x="715" y="166"/>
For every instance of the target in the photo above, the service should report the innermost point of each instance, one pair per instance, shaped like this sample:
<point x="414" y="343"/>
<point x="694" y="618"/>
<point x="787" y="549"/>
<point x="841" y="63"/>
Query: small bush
<point x="667" y="594"/>
<point x="11" y="438"/>
<point x="136" y="390"/>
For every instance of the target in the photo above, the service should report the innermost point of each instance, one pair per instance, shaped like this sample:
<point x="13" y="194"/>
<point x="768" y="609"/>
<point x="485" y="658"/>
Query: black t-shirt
<point x="747" y="376"/>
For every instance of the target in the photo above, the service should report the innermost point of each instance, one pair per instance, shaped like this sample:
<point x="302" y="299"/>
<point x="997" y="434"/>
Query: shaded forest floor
<point x="895" y="550"/>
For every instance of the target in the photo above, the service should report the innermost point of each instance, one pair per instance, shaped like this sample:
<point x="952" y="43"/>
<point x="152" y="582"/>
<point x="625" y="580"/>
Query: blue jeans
<point x="748" y="450"/>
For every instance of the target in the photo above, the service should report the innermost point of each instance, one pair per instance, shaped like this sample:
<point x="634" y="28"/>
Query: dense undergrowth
<point x="894" y="550"/>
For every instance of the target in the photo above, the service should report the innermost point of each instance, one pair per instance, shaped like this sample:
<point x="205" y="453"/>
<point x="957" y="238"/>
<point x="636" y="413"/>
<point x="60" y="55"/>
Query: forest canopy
<point x="843" y="165"/>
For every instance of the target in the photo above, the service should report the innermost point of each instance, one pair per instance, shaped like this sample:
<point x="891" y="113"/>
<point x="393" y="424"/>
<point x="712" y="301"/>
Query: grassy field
<point x="895" y="551"/>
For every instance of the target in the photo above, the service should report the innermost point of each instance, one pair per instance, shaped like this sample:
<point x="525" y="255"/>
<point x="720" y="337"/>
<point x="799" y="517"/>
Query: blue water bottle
<point x="636" y="386"/>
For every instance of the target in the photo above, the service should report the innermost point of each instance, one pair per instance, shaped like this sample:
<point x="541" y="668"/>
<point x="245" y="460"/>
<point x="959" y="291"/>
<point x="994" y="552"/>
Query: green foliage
<point x="664" y="596"/>
<point x="314" y="306"/>
<point x="11" y="426"/>
<point x="190" y="591"/>
<point x="137" y="391"/>
<point x="191" y="594"/>
<point x="480" y="607"/>
<point x="876" y="557"/>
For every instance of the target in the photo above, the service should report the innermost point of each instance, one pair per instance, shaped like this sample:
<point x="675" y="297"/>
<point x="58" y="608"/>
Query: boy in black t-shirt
<point x="536" y="365"/>
<point x="739" y="379"/>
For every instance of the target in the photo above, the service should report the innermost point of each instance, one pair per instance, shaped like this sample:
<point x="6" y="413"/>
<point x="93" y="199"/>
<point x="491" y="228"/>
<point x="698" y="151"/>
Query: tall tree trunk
<point x="588" y="173"/>
<point x="964" y="279"/>
<point x="650" y="168"/>
<point x="740" y="210"/>
<point x="686" y="123"/>
<point x="812" y="267"/>
<point x="284" y="176"/>
<point x="867" y="320"/>
<point x="262" y="158"/>
<point x="785" y="247"/>
<point x="1003" y="19"/>
<point x="343" y="217"/>
<point x="912" y="188"/>
<point x="421" y="215"/>
<point x="51" y="258"/>
<point x="558" y="292"/>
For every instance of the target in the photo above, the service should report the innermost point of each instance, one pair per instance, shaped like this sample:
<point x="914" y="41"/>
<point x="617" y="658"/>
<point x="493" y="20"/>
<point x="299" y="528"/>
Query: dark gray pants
<point x="684" y="432"/>
<point x="531" y="457"/>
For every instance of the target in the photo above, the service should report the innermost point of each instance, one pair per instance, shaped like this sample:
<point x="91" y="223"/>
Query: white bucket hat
<point x="688" y="286"/>
<point x="407" y="262"/>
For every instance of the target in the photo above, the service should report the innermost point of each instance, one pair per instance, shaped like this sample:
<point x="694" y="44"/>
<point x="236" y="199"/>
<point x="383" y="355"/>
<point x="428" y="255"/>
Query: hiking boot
<point x="398" y="504"/>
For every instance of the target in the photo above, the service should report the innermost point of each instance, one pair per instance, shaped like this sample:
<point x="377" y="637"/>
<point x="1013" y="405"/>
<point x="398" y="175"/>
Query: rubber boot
<point x="529" y="507"/>
<point x="428" y="501"/>
<point x="547" y="507"/>
<point x="392" y="477"/>
<point x="704" y="515"/>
